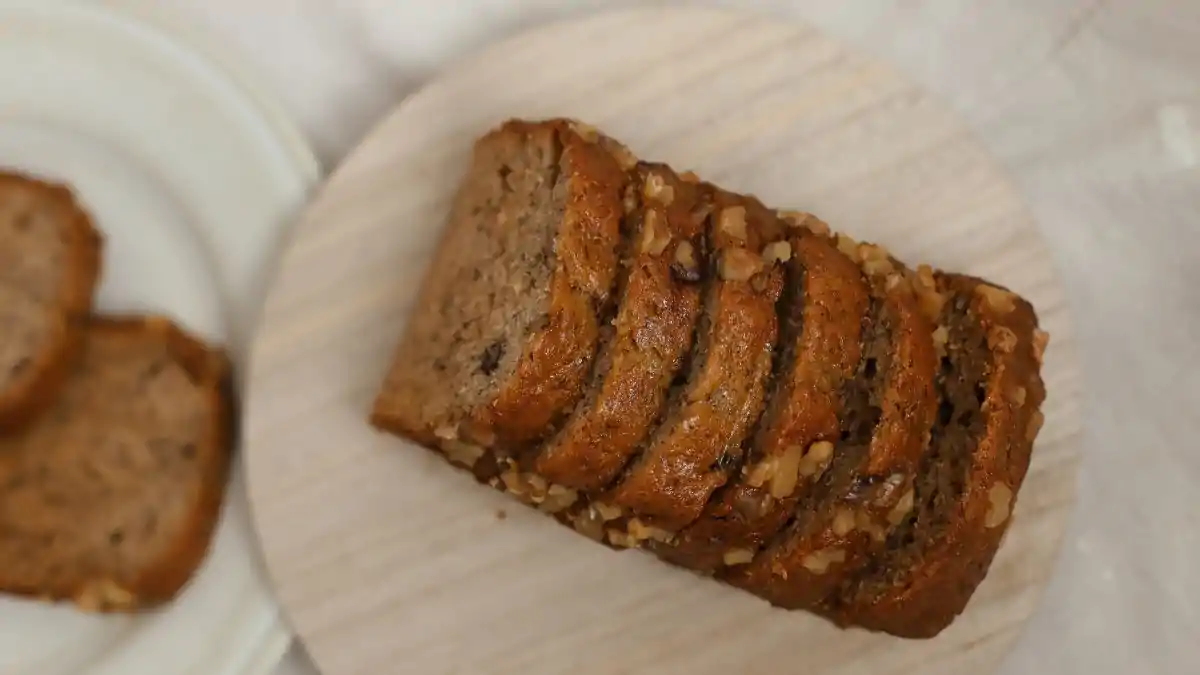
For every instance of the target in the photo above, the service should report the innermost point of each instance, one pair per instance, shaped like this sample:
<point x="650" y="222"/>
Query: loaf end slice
<point x="50" y="259"/>
<point x="989" y="416"/>
<point x="507" y="324"/>
<point x="111" y="498"/>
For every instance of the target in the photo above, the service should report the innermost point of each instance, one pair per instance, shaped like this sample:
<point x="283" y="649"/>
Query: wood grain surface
<point x="387" y="560"/>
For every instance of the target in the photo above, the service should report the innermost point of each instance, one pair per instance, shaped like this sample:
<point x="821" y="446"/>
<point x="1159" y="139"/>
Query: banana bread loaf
<point x="49" y="267"/>
<point x="662" y="364"/>
<point x="110" y="498"/>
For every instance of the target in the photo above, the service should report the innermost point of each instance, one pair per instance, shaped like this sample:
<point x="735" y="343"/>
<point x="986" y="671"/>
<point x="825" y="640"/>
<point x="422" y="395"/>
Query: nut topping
<point x="997" y="298"/>
<point x="777" y="252"/>
<point x="738" y="556"/>
<point x="732" y="221"/>
<point x="655" y="235"/>
<point x="818" y="562"/>
<point x="999" y="505"/>
<point x="1002" y="339"/>
<point x="657" y="190"/>
<point x="465" y="454"/>
<point x="686" y="267"/>
<point x="738" y="264"/>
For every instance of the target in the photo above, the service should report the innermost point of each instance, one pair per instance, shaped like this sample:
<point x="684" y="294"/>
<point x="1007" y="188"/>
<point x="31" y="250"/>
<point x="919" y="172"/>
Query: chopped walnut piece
<point x="941" y="336"/>
<point x="786" y="472"/>
<point x="446" y="432"/>
<point x="816" y="459"/>
<point x="843" y="521"/>
<point x="621" y="539"/>
<point x="738" y="556"/>
<point x="847" y="246"/>
<point x="732" y="221"/>
<point x="465" y="454"/>
<point x="1041" y="340"/>
<point x="640" y="531"/>
<point x="606" y="512"/>
<point x="777" y="252"/>
<point x="558" y="498"/>
<point x="1036" y="420"/>
<point x="585" y="131"/>
<point x="686" y="267"/>
<point x="1002" y="339"/>
<point x="625" y="157"/>
<point x="818" y="562"/>
<point x="925" y="277"/>
<point x="999" y="505"/>
<point x="875" y="259"/>
<point x="657" y="190"/>
<point x="997" y="298"/>
<point x="738" y="264"/>
<point x="655" y="235"/>
<point x="104" y="595"/>
<point x="1017" y="395"/>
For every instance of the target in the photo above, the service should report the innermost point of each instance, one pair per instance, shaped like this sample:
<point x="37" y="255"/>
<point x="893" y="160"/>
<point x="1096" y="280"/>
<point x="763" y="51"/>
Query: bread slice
<point x="989" y="416"/>
<point x="659" y="305"/>
<point x="709" y="417"/>
<point x="110" y="499"/>
<point x="508" y="319"/>
<point x="49" y="267"/>
<point x="823" y="317"/>
<point x="868" y="489"/>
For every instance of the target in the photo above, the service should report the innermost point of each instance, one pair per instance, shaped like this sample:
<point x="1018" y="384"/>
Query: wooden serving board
<point x="387" y="560"/>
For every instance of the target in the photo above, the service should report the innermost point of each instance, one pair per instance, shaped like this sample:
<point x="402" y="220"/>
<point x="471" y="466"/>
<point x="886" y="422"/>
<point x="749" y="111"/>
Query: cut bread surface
<point x="49" y="269"/>
<point x="111" y="498"/>
<point x="510" y="311"/>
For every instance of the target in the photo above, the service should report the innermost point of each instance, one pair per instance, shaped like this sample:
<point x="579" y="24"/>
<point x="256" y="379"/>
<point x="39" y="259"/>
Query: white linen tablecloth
<point x="1092" y="105"/>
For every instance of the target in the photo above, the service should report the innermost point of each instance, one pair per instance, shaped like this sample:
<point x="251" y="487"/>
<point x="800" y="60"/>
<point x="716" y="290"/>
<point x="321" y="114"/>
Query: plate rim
<point x="153" y="21"/>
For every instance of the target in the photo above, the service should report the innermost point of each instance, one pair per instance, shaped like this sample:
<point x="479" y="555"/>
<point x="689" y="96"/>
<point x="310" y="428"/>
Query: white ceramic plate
<point x="192" y="178"/>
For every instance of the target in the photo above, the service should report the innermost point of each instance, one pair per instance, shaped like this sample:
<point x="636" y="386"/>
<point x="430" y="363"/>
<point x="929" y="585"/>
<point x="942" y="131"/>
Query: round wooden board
<point x="388" y="560"/>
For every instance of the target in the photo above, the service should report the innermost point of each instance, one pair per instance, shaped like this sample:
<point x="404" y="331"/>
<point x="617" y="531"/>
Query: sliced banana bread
<point x="659" y="305"/>
<point x="49" y="267"/>
<point x="509" y="316"/>
<point x="712" y="412"/>
<point x="966" y="488"/>
<point x="868" y="490"/>
<point x="110" y="499"/>
<point x="823" y="313"/>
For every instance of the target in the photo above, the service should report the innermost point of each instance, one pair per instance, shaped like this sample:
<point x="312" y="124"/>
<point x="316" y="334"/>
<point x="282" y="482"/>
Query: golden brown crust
<point x="654" y="327"/>
<point x="798" y="572"/>
<point x="557" y="358"/>
<point x="938" y="590"/>
<point x="44" y="378"/>
<point x="688" y="458"/>
<point x="161" y="580"/>
<point x="834" y="304"/>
